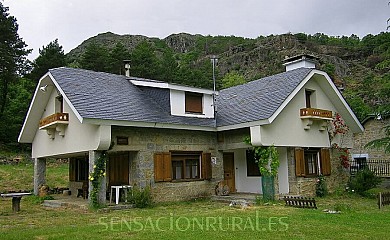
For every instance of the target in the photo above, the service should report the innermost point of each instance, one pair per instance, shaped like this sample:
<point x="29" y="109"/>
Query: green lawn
<point x="360" y="218"/>
<point x="21" y="176"/>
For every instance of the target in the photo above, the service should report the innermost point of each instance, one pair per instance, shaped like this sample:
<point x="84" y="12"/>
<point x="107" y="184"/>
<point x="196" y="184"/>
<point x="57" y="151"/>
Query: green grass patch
<point x="15" y="177"/>
<point x="360" y="218"/>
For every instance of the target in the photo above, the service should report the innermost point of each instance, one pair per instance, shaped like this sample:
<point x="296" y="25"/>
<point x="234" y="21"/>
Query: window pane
<point x="311" y="163"/>
<point x="192" y="168"/>
<point x="177" y="169"/>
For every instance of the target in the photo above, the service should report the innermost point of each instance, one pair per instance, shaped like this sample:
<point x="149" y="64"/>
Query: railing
<point x="315" y="113"/>
<point x="380" y="167"/>
<point x="57" y="117"/>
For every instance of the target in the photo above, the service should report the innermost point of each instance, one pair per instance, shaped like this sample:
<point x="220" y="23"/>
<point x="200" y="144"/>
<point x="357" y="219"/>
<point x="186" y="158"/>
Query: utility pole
<point x="214" y="61"/>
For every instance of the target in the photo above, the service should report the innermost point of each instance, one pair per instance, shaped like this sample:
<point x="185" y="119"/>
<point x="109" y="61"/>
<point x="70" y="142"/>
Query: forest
<point x="360" y="67"/>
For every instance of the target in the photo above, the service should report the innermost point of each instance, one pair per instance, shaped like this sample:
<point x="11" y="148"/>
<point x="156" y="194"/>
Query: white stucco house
<point x="177" y="139"/>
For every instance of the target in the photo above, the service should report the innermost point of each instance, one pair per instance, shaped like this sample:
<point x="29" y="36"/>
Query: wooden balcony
<point x="52" y="120"/>
<point x="314" y="113"/>
<point x="54" y="123"/>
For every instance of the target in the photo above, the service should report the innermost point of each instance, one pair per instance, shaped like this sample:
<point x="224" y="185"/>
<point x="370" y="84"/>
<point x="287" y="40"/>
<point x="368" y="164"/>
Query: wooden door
<point x="228" y="169"/>
<point x="118" y="169"/>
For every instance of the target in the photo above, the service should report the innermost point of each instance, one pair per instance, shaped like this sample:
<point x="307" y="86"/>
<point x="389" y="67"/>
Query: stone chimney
<point x="300" y="61"/>
<point x="127" y="67"/>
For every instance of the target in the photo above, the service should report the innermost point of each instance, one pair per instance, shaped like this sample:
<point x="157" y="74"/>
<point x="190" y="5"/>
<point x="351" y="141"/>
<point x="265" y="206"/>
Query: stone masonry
<point x="144" y="142"/>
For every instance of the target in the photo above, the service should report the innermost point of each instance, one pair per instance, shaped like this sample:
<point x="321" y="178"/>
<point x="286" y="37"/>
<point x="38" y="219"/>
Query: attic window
<point x="194" y="103"/>
<point x="308" y="98"/>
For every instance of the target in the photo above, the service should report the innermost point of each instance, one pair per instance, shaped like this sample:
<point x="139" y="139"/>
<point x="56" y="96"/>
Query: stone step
<point x="59" y="203"/>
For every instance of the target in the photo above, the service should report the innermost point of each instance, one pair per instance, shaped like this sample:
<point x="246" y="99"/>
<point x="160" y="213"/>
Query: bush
<point x="364" y="180"/>
<point x="141" y="198"/>
<point x="372" y="193"/>
<point x="321" y="188"/>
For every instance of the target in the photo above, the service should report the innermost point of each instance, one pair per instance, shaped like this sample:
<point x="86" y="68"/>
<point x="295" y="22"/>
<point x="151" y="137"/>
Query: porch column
<point x="39" y="174"/>
<point x="93" y="156"/>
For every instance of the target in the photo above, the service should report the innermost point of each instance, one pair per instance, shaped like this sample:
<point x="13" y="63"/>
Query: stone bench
<point x="16" y="197"/>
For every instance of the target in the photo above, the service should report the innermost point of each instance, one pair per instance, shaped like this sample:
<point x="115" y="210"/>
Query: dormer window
<point x="194" y="103"/>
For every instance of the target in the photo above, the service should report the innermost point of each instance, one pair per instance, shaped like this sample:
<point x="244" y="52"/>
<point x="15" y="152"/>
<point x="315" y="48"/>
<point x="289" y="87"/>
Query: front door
<point x="118" y="169"/>
<point x="228" y="169"/>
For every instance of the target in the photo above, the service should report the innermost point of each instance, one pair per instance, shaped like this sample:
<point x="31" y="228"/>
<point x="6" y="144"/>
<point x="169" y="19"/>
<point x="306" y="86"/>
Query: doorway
<point x="118" y="169"/>
<point x="229" y="171"/>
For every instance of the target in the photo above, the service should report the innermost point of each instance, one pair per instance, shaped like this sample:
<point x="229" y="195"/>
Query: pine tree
<point x="12" y="54"/>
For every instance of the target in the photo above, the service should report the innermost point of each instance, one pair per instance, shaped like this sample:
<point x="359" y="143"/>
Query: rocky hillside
<point x="360" y="66"/>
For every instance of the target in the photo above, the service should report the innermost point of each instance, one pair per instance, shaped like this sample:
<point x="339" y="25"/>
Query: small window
<point x="122" y="140"/>
<point x="194" y="103"/>
<point x="311" y="162"/>
<point x="185" y="166"/>
<point x="308" y="95"/>
<point x="59" y="104"/>
<point x="357" y="163"/>
<point x="252" y="167"/>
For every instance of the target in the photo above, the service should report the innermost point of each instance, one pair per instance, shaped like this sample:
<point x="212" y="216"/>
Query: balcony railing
<point x="314" y="113"/>
<point x="54" y="120"/>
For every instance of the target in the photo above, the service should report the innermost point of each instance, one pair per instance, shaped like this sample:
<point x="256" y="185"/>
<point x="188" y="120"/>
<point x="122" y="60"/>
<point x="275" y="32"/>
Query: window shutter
<point x="299" y="163"/>
<point x="206" y="166"/>
<point x="72" y="169"/>
<point x="162" y="167"/>
<point x="325" y="162"/>
<point x="193" y="102"/>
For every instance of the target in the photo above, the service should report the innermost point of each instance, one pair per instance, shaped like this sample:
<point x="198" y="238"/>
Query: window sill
<point x="187" y="180"/>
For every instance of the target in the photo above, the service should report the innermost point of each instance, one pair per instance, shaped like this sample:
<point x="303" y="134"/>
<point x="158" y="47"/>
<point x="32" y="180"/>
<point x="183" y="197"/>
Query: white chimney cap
<point x="300" y="61"/>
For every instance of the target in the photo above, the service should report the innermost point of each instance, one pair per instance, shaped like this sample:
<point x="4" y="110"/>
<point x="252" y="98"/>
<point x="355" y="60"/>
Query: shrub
<point x="141" y="198"/>
<point x="364" y="180"/>
<point x="321" y="188"/>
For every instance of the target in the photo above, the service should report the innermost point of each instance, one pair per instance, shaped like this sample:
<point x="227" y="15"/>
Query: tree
<point x="381" y="143"/>
<point x="232" y="78"/>
<point x="169" y="66"/>
<point x="13" y="54"/>
<point x="144" y="62"/>
<point x="51" y="56"/>
<point x="95" y="58"/>
<point x="116" y="57"/>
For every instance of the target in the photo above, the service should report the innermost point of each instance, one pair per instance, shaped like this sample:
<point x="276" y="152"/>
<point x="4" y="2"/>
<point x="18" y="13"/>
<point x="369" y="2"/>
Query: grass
<point x="360" y="217"/>
<point x="21" y="176"/>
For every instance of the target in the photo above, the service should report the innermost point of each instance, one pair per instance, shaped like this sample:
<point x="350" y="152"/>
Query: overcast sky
<point x="73" y="21"/>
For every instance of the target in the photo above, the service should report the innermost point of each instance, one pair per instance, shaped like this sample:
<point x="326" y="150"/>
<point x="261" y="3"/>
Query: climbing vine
<point x="267" y="158"/>
<point x="339" y="127"/>
<point x="96" y="177"/>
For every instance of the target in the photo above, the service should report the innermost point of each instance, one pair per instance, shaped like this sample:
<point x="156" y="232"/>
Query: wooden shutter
<point x="162" y="167"/>
<point x="206" y="166"/>
<point x="325" y="162"/>
<point x="193" y="102"/>
<point x="72" y="169"/>
<point x="300" y="163"/>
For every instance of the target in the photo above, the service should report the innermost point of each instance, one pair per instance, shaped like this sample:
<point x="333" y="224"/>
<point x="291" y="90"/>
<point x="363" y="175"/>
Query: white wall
<point x="243" y="183"/>
<point x="78" y="137"/>
<point x="283" y="171"/>
<point x="288" y="128"/>
<point x="178" y="105"/>
<point x="253" y="184"/>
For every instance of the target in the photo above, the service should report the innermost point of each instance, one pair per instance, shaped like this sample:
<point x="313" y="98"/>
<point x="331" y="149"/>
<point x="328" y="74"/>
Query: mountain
<point x="358" y="66"/>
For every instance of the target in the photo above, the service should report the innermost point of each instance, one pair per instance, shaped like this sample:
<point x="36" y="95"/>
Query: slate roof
<point x="257" y="100"/>
<point x="99" y="95"/>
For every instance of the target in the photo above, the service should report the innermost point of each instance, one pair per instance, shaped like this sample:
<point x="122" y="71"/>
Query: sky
<point x="73" y="21"/>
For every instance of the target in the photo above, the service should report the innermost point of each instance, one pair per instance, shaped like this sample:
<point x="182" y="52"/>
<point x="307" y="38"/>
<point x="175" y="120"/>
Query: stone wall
<point x="144" y="142"/>
<point x="373" y="129"/>
<point x="305" y="186"/>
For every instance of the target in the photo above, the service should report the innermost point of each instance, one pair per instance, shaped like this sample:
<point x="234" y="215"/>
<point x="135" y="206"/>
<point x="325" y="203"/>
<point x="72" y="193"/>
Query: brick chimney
<point x="300" y="61"/>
